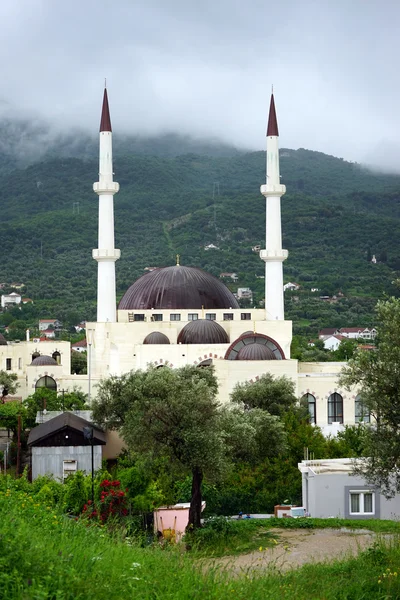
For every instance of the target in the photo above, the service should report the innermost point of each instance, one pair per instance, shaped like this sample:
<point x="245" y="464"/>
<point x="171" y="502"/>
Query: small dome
<point x="177" y="287"/>
<point x="203" y="331"/>
<point x="255" y="352"/>
<point x="3" y="341"/>
<point x="156" y="337"/>
<point x="44" y="360"/>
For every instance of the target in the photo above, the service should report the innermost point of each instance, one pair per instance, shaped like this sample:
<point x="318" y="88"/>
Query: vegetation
<point x="377" y="374"/>
<point x="335" y="216"/>
<point x="174" y="415"/>
<point x="8" y="384"/>
<point x="43" y="554"/>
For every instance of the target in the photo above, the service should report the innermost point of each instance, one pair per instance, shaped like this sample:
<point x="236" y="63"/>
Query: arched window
<point x="309" y="399"/>
<point x="335" y="408"/>
<point x="35" y="355"/>
<point x="57" y="356"/>
<point x="361" y="412"/>
<point x="46" y="382"/>
<point x="206" y="363"/>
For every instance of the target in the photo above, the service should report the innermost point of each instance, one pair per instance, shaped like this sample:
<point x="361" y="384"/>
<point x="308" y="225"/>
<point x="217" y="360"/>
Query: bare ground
<point x="295" y="548"/>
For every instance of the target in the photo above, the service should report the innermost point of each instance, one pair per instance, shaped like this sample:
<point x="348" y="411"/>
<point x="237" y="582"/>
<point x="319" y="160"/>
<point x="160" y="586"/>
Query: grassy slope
<point x="45" y="555"/>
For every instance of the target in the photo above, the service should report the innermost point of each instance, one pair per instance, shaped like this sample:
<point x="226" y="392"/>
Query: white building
<point x="358" y="333"/>
<point x="329" y="489"/>
<point x="10" y="299"/>
<point x="291" y="286"/>
<point x="179" y="315"/>
<point x="332" y="342"/>
<point x="44" y="324"/>
<point x="244" y="294"/>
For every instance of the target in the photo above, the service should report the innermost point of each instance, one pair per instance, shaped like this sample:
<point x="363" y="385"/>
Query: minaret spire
<point x="273" y="255"/>
<point x="272" y="128"/>
<point x="106" y="254"/>
<point x="105" y="122"/>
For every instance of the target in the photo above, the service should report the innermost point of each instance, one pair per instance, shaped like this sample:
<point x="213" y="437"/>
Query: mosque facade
<point x="180" y="315"/>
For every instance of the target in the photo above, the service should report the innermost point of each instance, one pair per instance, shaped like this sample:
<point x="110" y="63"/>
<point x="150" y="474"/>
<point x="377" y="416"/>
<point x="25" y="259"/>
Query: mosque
<point x="180" y="315"/>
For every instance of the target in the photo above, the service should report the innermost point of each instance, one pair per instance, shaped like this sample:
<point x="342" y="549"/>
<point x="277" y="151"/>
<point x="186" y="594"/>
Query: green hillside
<point x="334" y="215"/>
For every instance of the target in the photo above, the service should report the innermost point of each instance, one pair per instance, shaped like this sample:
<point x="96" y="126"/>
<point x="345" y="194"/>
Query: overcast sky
<point x="205" y="67"/>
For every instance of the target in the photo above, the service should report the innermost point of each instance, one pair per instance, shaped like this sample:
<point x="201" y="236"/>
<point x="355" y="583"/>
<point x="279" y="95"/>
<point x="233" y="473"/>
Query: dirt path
<point x="297" y="547"/>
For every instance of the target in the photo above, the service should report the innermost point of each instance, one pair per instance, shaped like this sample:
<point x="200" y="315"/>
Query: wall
<point x="327" y="495"/>
<point x="46" y="461"/>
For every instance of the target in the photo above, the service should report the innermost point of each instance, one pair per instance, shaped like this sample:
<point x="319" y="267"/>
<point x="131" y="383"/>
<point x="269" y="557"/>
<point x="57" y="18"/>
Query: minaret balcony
<point x="273" y="189"/>
<point x="106" y="187"/>
<point x="274" y="255"/>
<point x="106" y="254"/>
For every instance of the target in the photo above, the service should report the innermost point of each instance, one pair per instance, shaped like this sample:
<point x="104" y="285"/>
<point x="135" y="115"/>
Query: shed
<point x="59" y="447"/>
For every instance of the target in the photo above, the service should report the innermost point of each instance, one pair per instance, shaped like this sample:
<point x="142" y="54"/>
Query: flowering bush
<point x="113" y="502"/>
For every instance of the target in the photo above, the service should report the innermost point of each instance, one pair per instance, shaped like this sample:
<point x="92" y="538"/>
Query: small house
<point x="60" y="447"/>
<point x="330" y="489"/>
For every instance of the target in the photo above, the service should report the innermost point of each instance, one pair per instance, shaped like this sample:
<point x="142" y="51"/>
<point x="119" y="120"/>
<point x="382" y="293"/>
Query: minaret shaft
<point x="273" y="255"/>
<point x="106" y="254"/>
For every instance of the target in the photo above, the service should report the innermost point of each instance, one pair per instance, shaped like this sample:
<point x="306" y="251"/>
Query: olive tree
<point x="174" y="413"/>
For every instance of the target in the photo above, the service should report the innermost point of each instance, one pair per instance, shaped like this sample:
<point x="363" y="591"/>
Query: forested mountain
<point x="335" y="215"/>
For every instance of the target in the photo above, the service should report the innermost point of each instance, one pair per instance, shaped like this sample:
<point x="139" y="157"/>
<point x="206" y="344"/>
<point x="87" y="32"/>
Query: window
<point x="20" y="363"/>
<point x="335" y="408"/>
<point x="228" y="317"/>
<point x="245" y="316"/>
<point x="310" y="400"/>
<point x="361" y="413"/>
<point x="193" y="316"/>
<point x="46" y="382"/>
<point x="8" y="364"/>
<point x="70" y="467"/>
<point x="211" y="316"/>
<point x="130" y="317"/>
<point x="138" y="317"/>
<point x="57" y="357"/>
<point x="174" y="317"/>
<point x="156" y="317"/>
<point x="362" y="502"/>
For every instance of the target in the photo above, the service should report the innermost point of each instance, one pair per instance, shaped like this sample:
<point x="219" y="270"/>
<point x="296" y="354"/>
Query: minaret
<point x="106" y="254"/>
<point x="273" y="255"/>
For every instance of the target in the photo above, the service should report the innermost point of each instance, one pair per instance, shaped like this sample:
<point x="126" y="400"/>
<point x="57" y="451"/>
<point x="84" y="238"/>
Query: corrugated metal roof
<point x="63" y="421"/>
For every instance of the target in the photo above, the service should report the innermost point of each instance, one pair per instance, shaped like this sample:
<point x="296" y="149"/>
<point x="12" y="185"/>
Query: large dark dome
<point x="203" y="331"/>
<point x="176" y="288"/>
<point x="255" y="352"/>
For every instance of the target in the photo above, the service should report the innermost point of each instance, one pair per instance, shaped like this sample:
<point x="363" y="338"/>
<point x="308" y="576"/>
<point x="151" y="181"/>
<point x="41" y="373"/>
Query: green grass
<point x="376" y="525"/>
<point x="46" y="556"/>
<point x="225" y="537"/>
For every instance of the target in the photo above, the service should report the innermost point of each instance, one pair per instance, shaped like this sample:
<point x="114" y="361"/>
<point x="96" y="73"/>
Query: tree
<point x="346" y="350"/>
<point x="274" y="395"/>
<point x="173" y="413"/>
<point x="44" y="398"/>
<point x="78" y="362"/>
<point x="8" y="384"/>
<point x="377" y="376"/>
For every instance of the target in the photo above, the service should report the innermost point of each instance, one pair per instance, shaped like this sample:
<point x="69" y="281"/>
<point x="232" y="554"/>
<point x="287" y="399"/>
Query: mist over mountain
<point x="26" y="141"/>
<point x="178" y="195"/>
